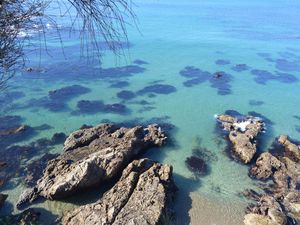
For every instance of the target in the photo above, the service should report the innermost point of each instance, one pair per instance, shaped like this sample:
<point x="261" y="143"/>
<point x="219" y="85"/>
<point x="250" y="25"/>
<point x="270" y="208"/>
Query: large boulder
<point x="92" y="156"/>
<point x="242" y="134"/>
<point x="140" y="197"/>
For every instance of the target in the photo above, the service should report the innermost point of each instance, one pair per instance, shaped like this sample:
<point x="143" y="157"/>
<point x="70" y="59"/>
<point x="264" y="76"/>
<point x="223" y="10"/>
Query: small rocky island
<point x="242" y="134"/>
<point x="95" y="155"/>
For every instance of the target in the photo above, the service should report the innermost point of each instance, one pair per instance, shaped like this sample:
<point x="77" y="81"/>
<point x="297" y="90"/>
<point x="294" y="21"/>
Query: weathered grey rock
<point x="242" y="134"/>
<point x="92" y="156"/>
<point x="140" y="197"/>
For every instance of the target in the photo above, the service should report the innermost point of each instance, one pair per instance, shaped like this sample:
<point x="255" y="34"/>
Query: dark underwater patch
<point x="146" y="109"/>
<point x="297" y="128"/>
<point x="263" y="76"/>
<point x="288" y="66"/>
<point x="256" y="102"/>
<point x="221" y="81"/>
<point x="240" y="67"/>
<point x="68" y="92"/>
<point x="286" y="78"/>
<point x="46" y="103"/>
<point x="15" y="155"/>
<point x="140" y="62"/>
<point x="296" y="117"/>
<point x="10" y="121"/>
<point x="234" y="113"/>
<point x="119" y="84"/>
<point x="264" y="118"/>
<point x="119" y="72"/>
<point x="43" y="127"/>
<point x="97" y="106"/>
<point x="57" y="100"/>
<point x="90" y="107"/>
<point x="8" y="98"/>
<point x="194" y="72"/>
<point x="196" y="165"/>
<point x="117" y="108"/>
<point x="198" y="76"/>
<point x="126" y="95"/>
<point x="193" y="82"/>
<point x="157" y="89"/>
<point x="222" y="62"/>
<point x="83" y="71"/>
<point x="34" y="170"/>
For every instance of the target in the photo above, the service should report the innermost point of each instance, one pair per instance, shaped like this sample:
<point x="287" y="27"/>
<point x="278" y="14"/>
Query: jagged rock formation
<point x="280" y="204"/>
<point x="140" y="197"/>
<point x="92" y="156"/>
<point x="242" y="134"/>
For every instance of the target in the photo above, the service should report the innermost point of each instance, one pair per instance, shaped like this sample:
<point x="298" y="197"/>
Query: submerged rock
<point x="92" y="156"/>
<point x="242" y="134"/>
<point x="27" y="217"/>
<point x="141" y="196"/>
<point x="196" y="165"/>
<point x="13" y="131"/>
<point x="3" y="197"/>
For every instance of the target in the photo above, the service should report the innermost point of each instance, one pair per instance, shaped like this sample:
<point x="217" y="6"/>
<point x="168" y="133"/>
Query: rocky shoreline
<point x="279" y="202"/>
<point x="143" y="189"/>
<point x="91" y="157"/>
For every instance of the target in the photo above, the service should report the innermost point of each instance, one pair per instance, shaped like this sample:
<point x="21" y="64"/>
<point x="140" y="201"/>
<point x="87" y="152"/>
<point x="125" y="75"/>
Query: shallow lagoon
<point x="211" y="36"/>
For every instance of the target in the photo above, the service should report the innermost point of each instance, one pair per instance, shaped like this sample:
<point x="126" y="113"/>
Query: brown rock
<point x="92" y="156"/>
<point x="265" y="166"/>
<point x="291" y="149"/>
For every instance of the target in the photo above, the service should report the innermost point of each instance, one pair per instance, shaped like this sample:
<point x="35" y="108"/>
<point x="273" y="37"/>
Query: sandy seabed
<point x="207" y="211"/>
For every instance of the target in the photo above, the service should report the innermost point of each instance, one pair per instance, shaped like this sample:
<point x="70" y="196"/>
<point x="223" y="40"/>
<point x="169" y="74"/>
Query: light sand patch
<point x="207" y="211"/>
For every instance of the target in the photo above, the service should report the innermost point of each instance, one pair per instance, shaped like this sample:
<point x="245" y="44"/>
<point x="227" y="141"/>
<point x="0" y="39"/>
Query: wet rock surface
<point x="280" y="202"/>
<point x="243" y="131"/>
<point x="92" y="156"/>
<point x="141" y="196"/>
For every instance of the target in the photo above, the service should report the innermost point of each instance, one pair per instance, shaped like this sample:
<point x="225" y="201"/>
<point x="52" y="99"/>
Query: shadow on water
<point x="183" y="200"/>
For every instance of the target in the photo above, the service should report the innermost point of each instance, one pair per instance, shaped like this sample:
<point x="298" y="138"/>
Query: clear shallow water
<point x="263" y="35"/>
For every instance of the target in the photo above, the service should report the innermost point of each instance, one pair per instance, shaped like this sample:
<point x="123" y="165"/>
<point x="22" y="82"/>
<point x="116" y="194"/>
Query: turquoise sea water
<point x="203" y="36"/>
